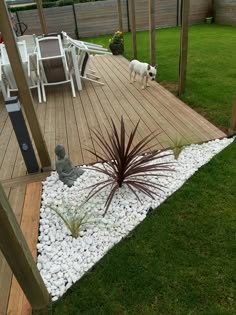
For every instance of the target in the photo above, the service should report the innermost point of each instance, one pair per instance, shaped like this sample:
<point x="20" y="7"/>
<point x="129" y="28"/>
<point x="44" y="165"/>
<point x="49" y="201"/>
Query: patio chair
<point x="84" y="50"/>
<point x="52" y="64"/>
<point x="8" y="83"/>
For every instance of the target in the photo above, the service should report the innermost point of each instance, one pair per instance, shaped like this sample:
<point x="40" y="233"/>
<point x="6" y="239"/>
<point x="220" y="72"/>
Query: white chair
<point x="52" y="64"/>
<point x="84" y="51"/>
<point x="8" y="83"/>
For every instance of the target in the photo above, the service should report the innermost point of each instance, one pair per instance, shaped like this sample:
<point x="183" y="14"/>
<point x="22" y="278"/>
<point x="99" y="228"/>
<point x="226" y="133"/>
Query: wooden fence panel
<point x="101" y="17"/>
<point x="95" y="18"/>
<point x="225" y="12"/>
<point x="198" y="11"/>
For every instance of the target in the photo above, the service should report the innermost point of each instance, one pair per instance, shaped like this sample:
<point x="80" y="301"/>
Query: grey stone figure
<point x="65" y="169"/>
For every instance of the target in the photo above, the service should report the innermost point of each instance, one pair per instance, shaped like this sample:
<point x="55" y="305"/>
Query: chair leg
<point x="93" y="76"/>
<point x="8" y="92"/>
<point x="43" y="92"/>
<point x="3" y="89"/>
<point x="72" y="86"/>
<point x="95" y="81"/>
<point x="39" y="93"/>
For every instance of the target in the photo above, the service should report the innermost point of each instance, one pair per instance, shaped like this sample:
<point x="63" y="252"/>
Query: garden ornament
<point x="65" y="169"/>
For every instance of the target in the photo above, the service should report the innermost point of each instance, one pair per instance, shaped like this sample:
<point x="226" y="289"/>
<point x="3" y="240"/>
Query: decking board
<point x="18" y="304"/>
<point x="16" y="197"/>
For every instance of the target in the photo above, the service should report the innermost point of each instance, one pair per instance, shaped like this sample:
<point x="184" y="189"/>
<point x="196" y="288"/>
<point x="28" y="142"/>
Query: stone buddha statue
<point x="67" y="172"/>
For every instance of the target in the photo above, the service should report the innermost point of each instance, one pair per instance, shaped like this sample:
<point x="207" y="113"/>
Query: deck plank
<point x="16" y="198"/>
<point x="74" y="146"/>
<point x="18" y="303"/>
<point x="60" y="125"/>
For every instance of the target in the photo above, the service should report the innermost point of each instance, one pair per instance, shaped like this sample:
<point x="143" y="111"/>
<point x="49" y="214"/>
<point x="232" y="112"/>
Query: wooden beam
<point x="152" y="32"/>
<point x="19" y="258"/>
<point x="42" y="17"/>
<point x="183" y="46"/>
<point x="232" y="128"/>
<point x="120" y="15"/>
<point x="133" y="28"/>
<point x="22" y="85"/>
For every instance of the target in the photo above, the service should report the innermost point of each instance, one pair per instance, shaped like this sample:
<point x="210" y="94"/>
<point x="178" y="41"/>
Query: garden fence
<point x="101" y="17"/>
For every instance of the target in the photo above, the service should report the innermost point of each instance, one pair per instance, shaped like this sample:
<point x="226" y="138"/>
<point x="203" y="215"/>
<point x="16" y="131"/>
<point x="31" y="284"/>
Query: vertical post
<point x="152" y="32"/>
<point x="178" y="12"/>
<point x="120" y="15"/>
<point x="133" y="28"/>
<point x="183" y="46"/>
<point x="75" y="19"/>
<point x="18" y="21"/>
<point x="22" y="85"/>
<point x="42" y="17"/>
<point x="127" y="10"/>
<point x="232" y="128"/>
<point x="19" y="258"/>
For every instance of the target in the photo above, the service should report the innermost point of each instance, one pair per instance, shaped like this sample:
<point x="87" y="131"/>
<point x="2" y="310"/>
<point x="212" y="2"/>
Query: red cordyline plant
<point x="126" y="163"/>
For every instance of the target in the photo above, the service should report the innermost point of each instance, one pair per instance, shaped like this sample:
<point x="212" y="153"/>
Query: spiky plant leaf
<point x="127" y="163"/>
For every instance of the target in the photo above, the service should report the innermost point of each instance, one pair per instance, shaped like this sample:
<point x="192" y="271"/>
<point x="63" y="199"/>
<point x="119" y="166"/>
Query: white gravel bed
<point x="62" y="260"/>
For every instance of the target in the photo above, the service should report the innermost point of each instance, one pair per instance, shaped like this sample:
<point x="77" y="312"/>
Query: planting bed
<point x="62" y="260"/>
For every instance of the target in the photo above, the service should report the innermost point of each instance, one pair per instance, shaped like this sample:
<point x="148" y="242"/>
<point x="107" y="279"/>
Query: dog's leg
<point x="147" y="81"/>
<point x="130" y="76"/>
<point x="142" y="83"/>
<point x="135" y="76"/>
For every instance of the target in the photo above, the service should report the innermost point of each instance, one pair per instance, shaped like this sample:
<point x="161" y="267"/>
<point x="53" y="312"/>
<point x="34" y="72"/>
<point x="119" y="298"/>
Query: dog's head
<point x="152" y="71"/>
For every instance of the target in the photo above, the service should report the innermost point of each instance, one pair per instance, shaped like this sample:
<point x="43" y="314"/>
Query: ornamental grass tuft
<point x="126" y="163"/>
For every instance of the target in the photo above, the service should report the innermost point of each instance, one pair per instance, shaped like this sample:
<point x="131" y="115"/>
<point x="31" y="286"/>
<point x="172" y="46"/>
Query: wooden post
<point x="120" y="15"/>
<point x="183" y="46"/>
<point x="152" y="32"/>
<point x="19" y="258"/>
<point x="42" y="17"/>
<point x="232" y="128"/>
<point x="178" y="12"/>
<point x="22" y="85"/>
<point x="133" y="28"/>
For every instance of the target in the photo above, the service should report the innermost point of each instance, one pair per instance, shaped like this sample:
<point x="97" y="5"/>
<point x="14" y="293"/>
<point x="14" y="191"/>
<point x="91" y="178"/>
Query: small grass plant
<point x="74" y="217"/>
<point x="177" y="146"/>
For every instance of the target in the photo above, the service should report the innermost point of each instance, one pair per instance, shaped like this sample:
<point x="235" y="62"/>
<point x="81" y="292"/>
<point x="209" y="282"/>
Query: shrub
<point x="126" y="163"/>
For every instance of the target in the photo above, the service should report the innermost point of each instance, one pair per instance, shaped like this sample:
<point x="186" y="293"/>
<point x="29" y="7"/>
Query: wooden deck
<point x="68" y="121"/>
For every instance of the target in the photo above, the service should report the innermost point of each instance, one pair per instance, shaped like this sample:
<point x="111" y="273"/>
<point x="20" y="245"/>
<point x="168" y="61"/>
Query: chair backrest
<point x="6" y="66"/>
<point x="84" y="46"/>
<point x="22" y="50"/>
<point x="30" y="42"/>
<point x="51" y="56"/>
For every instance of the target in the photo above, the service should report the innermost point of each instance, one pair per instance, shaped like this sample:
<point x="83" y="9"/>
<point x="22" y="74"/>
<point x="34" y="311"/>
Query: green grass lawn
<point x="182" y="259"/>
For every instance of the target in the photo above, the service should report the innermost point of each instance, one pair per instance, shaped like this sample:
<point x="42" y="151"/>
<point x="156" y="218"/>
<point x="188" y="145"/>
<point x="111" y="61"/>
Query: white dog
<point x="144" y="70"/>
